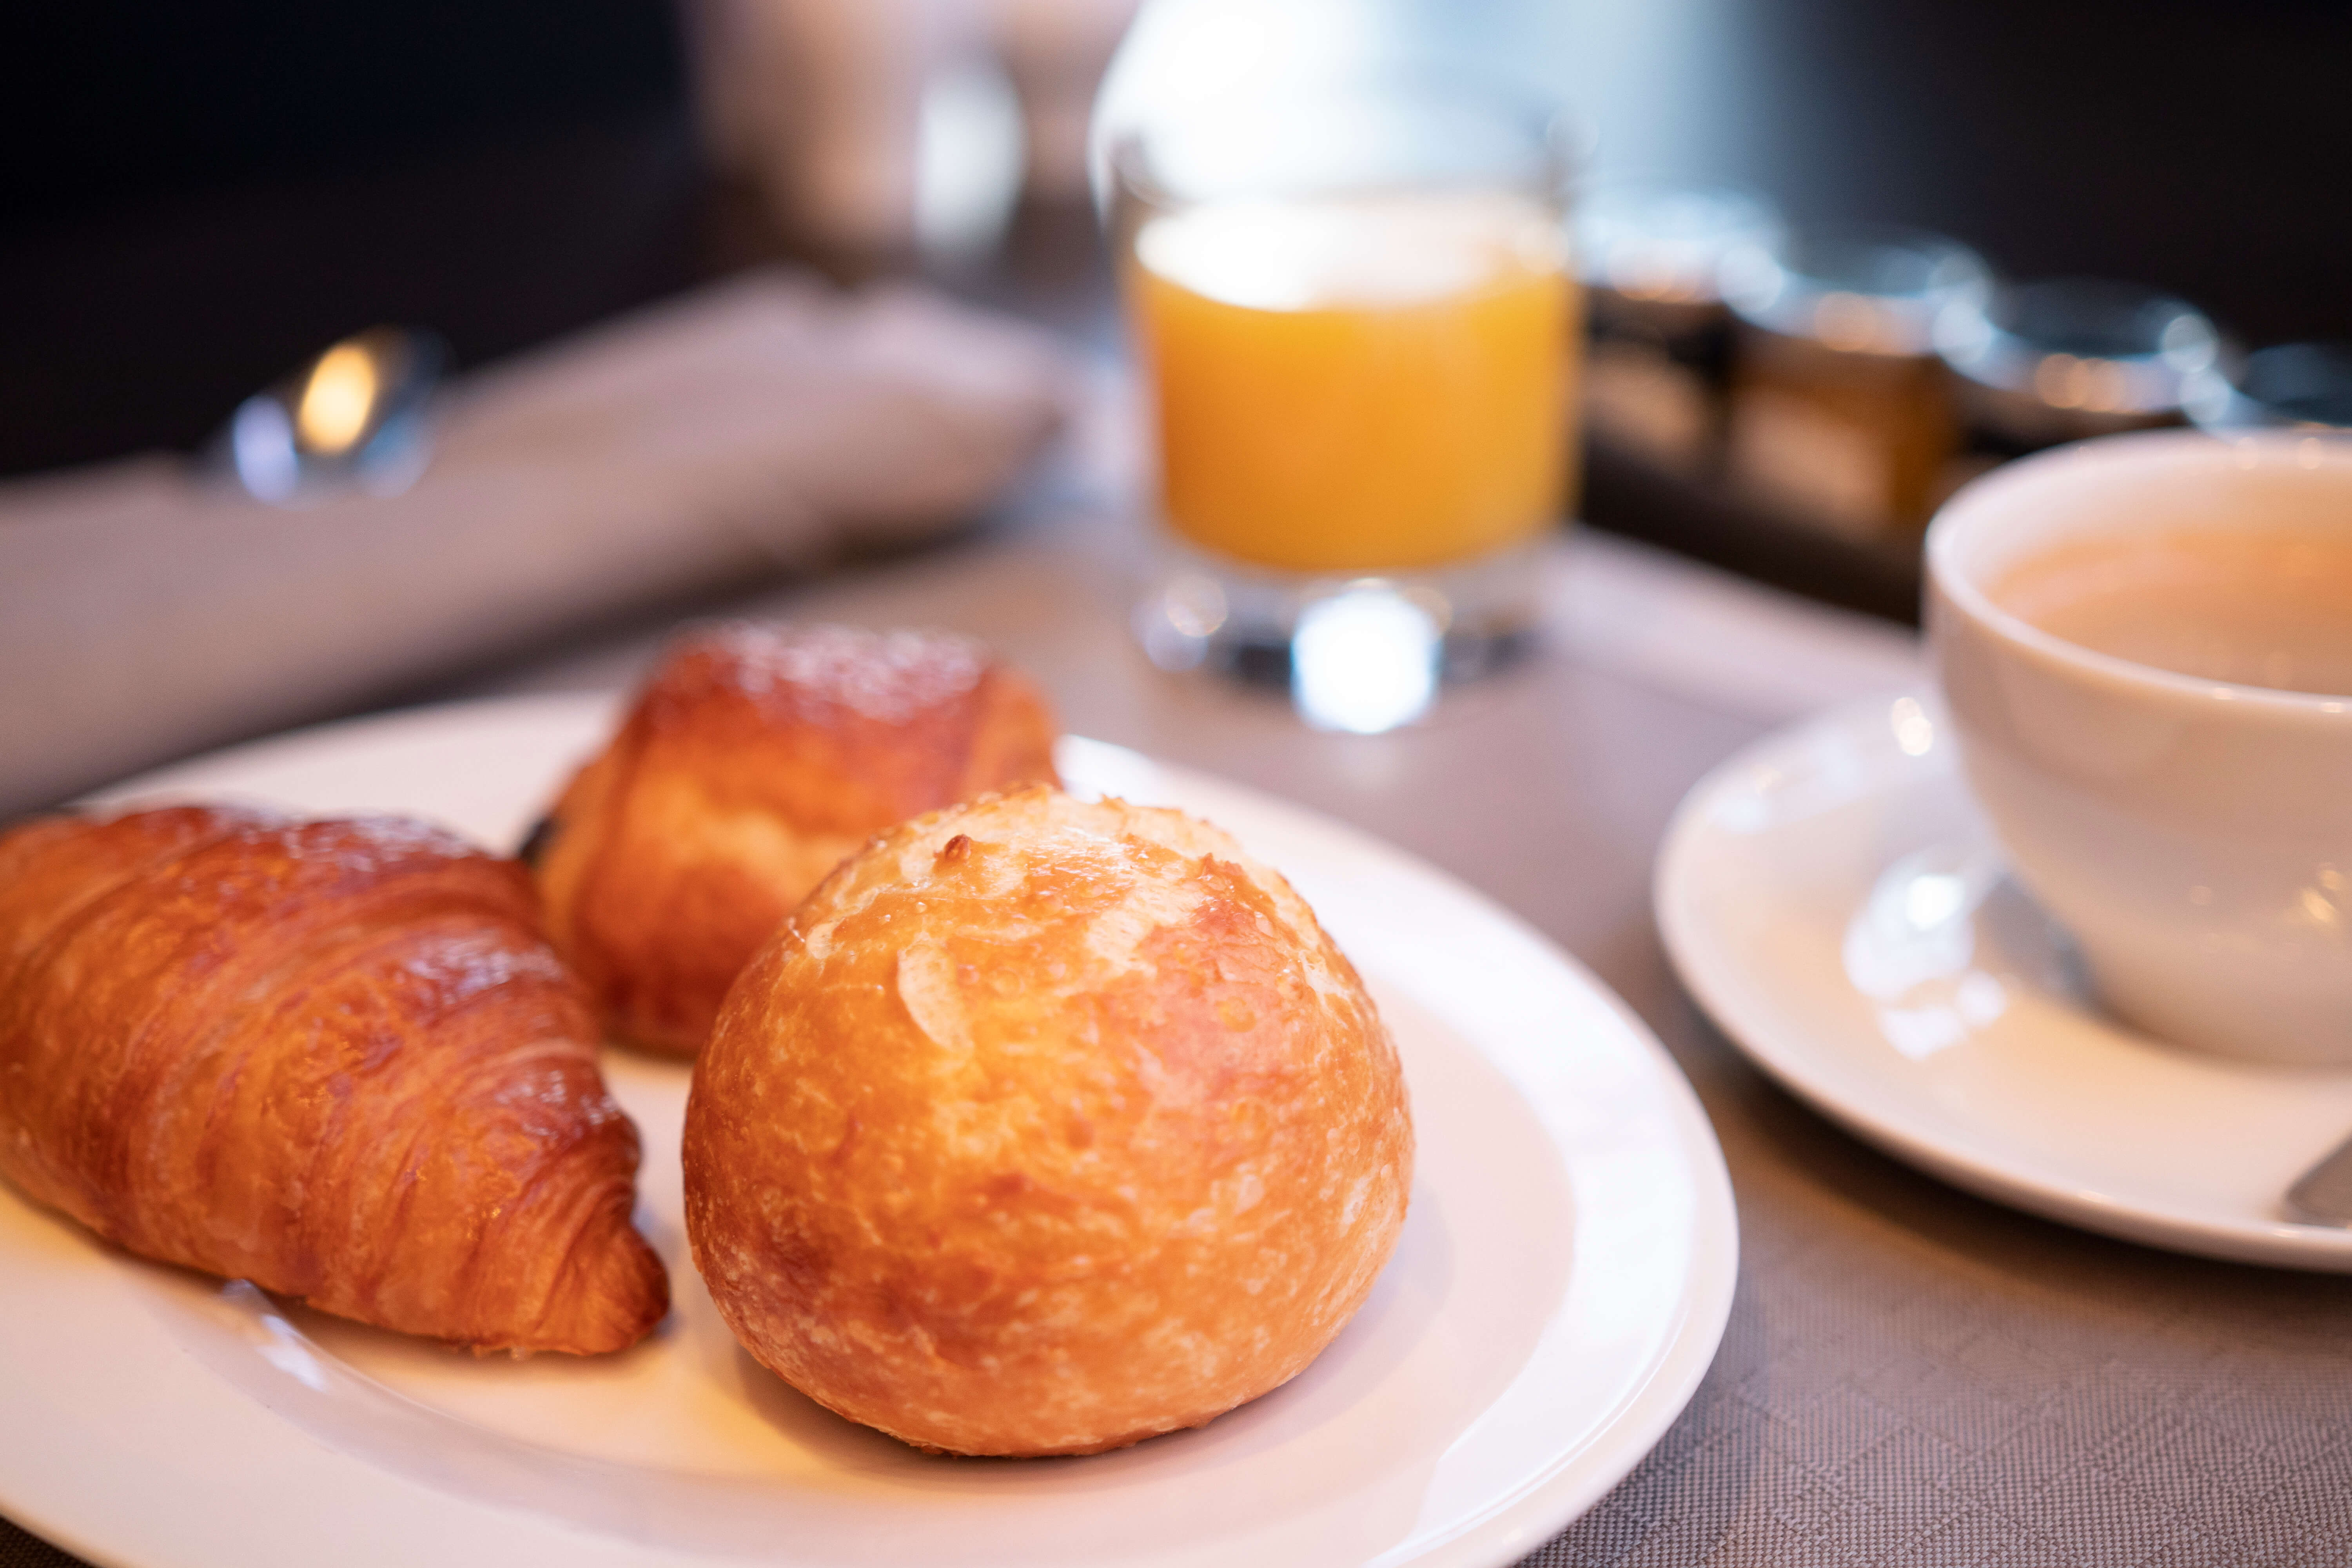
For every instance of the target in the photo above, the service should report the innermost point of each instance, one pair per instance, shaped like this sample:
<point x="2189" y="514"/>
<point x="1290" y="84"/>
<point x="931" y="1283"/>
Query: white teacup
<point x="2194" y="837"/>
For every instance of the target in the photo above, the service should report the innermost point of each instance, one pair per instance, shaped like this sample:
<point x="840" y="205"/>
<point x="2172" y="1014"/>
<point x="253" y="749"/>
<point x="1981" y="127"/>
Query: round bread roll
<point x="1044" y="1127"/>
<point x="754" y="760"/>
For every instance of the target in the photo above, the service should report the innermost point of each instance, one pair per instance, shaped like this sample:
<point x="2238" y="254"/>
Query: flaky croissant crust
<point x="333" y="1058"/>
<point x="755" y="759"/>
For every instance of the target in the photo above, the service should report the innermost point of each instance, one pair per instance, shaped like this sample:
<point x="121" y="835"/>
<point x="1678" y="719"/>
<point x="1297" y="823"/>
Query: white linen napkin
<point x="147" y="610"/>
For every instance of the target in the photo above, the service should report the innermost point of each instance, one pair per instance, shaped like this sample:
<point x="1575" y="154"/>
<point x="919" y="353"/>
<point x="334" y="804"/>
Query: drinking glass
<point x="1358" y="328"/>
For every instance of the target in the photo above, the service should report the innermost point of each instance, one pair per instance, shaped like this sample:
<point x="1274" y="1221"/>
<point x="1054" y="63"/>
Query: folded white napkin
<point x="147" y="610"/>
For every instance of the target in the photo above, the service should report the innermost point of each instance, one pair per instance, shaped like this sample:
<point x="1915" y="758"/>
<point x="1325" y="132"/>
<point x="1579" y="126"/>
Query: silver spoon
<point x="354" y="416"/>
<point x="1904" y="937"/>
<point x="2323" y="1194"/>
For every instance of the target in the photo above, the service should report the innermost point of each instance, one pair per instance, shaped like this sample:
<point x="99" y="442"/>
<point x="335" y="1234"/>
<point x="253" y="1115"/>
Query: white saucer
<point x="1832" y="897"/>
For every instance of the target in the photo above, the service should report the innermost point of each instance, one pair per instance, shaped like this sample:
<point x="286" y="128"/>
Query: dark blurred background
<point x="195" y="199"/>
<point x="2194" y="145"/>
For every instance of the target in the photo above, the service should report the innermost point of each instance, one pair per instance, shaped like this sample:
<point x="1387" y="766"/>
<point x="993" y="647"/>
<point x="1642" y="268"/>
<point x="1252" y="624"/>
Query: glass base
<point x="1362" y="652"/>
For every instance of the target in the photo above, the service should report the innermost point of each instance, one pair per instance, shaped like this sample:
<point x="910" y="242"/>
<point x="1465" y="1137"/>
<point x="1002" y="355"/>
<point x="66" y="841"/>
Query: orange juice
<point x="1358" y="384"/>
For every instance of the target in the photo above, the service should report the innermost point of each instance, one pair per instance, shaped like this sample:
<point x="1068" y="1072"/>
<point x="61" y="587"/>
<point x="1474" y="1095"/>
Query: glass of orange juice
<point x="1358" y="334"/>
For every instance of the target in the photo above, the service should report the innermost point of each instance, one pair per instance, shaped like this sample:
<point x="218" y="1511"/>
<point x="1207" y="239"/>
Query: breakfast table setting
<point x="818" y="925"/>
<point x="1907" y="1372"/>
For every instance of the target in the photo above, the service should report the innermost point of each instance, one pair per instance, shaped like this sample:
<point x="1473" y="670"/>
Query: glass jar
<point x="1841" y="412"/>
<point x="2063" y="358"/>
<point x="1658" y="377"/>
<point x="2289" y="386"/>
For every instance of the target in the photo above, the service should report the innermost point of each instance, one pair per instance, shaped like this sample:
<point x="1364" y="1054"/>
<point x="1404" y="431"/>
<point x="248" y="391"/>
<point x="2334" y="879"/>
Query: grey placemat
<point x="1912" y="1376"/>
<point x="18" y="1549"/>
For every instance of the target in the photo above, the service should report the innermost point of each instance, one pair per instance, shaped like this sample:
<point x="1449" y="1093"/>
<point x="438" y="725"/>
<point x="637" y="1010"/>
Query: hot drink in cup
<point x="2146" y="644"/>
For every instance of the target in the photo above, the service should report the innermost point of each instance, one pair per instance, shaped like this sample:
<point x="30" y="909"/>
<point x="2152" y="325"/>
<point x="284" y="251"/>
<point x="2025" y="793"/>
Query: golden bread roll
<point x="336" y="1059"/>
<point x="754" y="760"/>
<point x="1044" y="1127"/>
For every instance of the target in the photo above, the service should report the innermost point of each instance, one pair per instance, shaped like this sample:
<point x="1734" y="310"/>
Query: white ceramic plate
<point x="1832" y="897"/>
<point x="1559" y="1289"/>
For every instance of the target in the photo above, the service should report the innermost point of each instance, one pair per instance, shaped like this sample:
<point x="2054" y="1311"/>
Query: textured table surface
<point x="1910" y="1376"/>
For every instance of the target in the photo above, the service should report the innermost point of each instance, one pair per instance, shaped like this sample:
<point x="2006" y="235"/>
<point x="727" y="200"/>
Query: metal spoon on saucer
<point x="2323" y="1194"/>
<point x="353" y="417"/>
<point x="1916" y="930"/>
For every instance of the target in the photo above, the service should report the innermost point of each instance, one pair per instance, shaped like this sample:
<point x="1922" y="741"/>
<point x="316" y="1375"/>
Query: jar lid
<point x="1666" y="243"/>
<point x="2289" y="386"/>
<point x="1861" y="288"/>
<point x="2083" y="344"/>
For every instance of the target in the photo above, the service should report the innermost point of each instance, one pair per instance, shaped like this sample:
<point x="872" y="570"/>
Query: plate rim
<point x="1716" y="981"/>
<point x="1542" y="1506"/>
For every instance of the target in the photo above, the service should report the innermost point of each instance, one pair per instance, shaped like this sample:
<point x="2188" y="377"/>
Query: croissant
<point x="754" y="760"/>
<point x="334" y="1058"/>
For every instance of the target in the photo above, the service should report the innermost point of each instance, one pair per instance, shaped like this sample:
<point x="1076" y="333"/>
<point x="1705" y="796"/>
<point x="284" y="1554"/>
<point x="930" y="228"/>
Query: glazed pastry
<point x="336" y="1059"/>
<point x="1043" y="1127"/>
<point x="754" y="760"/>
